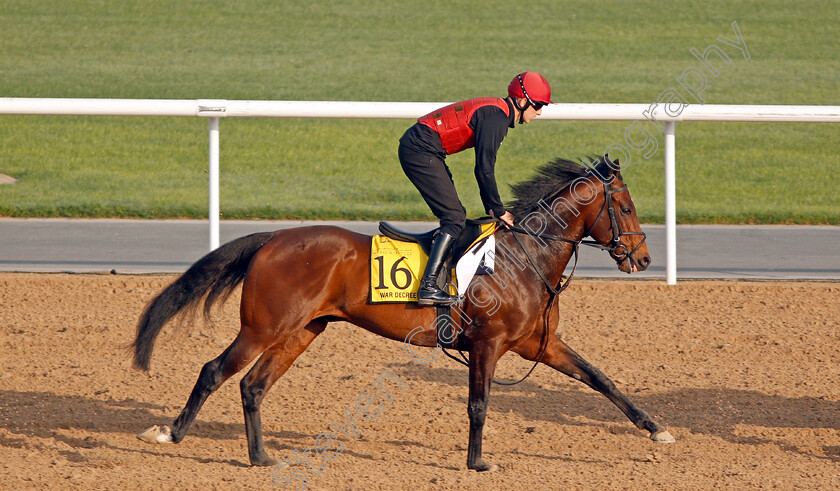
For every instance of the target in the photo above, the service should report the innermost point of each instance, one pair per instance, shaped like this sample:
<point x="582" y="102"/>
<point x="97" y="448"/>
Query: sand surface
<point x="745" y="375"/>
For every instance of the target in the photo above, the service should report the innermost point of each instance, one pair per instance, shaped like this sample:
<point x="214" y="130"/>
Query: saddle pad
<point x="396" y="269"/>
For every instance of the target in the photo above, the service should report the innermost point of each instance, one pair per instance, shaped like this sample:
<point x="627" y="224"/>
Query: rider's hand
<point x="506" y="219"/>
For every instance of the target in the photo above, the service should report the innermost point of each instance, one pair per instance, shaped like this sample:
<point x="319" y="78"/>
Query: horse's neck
<point x="551" y="256"/>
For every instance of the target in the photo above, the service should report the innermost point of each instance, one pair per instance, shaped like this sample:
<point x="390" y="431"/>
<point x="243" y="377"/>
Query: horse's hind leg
<point x="270" y="367"/>
<point x="214" y="373"/>
<point x="559" y="356"/>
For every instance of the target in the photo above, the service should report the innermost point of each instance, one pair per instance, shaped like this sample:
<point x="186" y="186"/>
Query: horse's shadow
<point x="26" y="415"/>
<point x="710" y="411"/>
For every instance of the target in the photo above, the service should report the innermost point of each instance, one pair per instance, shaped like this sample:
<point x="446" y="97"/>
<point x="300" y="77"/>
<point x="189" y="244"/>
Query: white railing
<point x="655" y="114"/>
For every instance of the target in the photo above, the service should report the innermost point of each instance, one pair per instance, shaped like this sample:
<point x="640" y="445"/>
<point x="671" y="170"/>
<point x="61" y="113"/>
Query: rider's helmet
<point x="531" y="86"/>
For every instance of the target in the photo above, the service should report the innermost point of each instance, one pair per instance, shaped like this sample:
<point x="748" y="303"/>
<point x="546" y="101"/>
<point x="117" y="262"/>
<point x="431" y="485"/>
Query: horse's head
<point x="614" y="224"/>
<point x="592" y="196"/>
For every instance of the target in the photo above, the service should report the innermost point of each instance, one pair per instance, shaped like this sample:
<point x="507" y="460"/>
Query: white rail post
<point x="670" y="205"/>
<point x="213" y="171"/>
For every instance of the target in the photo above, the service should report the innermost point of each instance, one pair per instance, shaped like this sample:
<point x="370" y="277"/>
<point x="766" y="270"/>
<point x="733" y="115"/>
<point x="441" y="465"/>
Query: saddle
<point x="472" y="231"/>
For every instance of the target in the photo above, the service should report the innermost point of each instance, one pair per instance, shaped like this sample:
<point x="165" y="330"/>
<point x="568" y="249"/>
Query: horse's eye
<point x="626" y="211"/>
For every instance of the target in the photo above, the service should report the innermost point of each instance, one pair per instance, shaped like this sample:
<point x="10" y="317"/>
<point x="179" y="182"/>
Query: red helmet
<point x="531" y="86"/>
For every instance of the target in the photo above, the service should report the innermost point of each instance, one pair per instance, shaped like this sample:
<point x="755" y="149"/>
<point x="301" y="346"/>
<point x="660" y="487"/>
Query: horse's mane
<point x="552" y="178"/>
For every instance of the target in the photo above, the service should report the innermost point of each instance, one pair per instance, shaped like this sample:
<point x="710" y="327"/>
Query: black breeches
<point x="431" y="176"/>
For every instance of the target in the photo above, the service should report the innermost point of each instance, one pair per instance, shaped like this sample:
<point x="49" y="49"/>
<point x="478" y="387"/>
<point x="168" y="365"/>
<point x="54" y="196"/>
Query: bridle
<point x="615" y="228"/>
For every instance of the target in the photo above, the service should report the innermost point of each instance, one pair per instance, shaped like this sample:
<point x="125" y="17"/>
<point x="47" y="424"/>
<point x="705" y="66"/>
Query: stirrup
<point x="436" y="302"/>
<point x="434" y="296"/>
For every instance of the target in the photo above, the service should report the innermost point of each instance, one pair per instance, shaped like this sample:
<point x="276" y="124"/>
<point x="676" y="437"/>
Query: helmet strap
<point x="521" y="109"/>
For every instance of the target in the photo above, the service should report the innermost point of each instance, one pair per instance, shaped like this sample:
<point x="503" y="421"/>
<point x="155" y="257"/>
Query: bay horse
<point x="296" y="281"/>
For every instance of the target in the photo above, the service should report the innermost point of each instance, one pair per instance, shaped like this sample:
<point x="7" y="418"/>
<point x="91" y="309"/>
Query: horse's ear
<point x="615" y="167"/>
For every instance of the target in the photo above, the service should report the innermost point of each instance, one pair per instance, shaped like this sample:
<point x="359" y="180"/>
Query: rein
<point x="552" y="291"/>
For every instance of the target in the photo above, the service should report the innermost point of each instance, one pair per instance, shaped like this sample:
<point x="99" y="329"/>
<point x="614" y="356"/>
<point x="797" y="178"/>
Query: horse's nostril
<point x="645" y="261"/>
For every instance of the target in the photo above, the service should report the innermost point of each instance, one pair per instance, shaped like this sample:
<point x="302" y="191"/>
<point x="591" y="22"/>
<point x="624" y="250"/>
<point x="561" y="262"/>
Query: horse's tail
<point x="215" y="275"/>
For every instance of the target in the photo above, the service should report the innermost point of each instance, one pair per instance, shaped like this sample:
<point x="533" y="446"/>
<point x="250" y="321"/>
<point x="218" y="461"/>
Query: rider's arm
<point x="491" y="125"/>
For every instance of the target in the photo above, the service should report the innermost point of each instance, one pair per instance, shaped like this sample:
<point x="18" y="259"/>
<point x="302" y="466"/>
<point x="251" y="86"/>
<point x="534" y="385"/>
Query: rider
<point x="481" y="123"/>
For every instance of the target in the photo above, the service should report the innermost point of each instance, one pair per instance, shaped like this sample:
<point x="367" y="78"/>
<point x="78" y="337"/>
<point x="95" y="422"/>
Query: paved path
<point x="166" y="246"/>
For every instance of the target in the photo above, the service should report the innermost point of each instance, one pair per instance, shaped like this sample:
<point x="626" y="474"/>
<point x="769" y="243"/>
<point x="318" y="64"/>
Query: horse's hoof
<point x="264" y="461"/>
<point x="482" y="466"/>
<point x="156" y="434"/>
<point x="662" y="437"/>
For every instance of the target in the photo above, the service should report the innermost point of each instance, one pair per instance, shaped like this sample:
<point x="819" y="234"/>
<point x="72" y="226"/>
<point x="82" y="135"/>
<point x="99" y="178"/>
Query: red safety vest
<point x="452" y="122"/>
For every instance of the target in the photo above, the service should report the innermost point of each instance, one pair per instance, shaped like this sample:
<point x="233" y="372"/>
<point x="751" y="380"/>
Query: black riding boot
<point x="429" y="292"/>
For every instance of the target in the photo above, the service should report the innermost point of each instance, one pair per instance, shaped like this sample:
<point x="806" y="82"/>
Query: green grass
<point x="388" y="50"/>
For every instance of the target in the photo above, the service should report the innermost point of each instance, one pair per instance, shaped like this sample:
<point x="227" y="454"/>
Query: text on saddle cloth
<point x="396" y="267"/>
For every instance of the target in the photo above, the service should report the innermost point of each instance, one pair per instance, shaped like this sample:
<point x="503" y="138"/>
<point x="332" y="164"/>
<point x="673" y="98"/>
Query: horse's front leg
<point x="483" y="358"/>
<point x="559" y="356"/>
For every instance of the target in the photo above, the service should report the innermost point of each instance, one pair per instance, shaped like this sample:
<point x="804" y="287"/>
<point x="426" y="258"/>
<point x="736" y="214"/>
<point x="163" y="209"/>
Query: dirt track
<point x="745" y="375"/>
